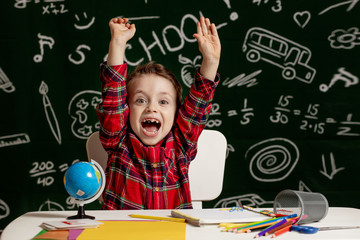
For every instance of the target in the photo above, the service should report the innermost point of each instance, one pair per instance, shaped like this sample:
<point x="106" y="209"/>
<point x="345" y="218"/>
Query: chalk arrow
<point x="334" y="170"/>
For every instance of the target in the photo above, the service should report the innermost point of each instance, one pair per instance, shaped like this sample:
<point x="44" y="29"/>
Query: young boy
<point x="150" y="137"/>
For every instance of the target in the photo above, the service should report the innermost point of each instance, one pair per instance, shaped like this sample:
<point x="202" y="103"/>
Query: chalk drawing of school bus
<point x="293" y="58"/>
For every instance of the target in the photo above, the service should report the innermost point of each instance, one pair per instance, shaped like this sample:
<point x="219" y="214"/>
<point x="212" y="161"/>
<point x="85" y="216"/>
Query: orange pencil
<point x="281" y="231"/>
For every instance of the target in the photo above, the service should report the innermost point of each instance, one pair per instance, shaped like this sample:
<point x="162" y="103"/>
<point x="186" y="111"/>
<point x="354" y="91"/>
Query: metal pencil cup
<point x="309" y="206"/>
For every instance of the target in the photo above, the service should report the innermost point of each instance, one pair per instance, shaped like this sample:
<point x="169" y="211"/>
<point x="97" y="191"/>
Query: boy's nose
<point x="151" y="107"/>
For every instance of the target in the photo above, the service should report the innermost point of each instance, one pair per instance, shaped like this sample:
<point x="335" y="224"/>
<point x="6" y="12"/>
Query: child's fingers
<point x="204" y="28"/>
<point x="213" y="29"/>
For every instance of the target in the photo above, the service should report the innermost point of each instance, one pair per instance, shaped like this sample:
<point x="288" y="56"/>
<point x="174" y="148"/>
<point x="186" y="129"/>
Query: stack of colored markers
<point x="275" y="226"/>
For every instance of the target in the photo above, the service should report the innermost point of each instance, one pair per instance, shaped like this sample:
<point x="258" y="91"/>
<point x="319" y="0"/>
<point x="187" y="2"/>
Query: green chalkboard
<point x="288" y="102"/>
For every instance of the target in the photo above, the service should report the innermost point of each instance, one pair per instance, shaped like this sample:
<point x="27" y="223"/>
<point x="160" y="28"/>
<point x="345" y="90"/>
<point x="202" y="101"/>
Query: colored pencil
<point x="248" y="229"/>
<point x="273" y="220"/>
<point x="273" y="226"/>
<point x="158" y="218"/>
<point x="287" y="223"/>
<point x="281" y="231"/>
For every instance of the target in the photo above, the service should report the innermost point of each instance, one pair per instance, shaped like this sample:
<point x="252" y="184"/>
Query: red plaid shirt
<point x="149" y="177"/>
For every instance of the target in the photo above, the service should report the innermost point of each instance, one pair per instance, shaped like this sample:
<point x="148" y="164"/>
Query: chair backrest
<point x="206" y="172"/>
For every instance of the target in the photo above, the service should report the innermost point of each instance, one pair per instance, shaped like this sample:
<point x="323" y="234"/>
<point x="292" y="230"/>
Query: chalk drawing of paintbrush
<point x="49" y="112"/>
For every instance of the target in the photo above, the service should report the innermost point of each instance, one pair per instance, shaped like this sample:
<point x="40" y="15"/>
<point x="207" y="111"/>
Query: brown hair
<point x="160" y="70"/>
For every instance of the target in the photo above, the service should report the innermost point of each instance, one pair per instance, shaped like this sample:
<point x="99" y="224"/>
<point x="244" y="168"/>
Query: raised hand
<point x="121" y="30"/>
<point x="209" y="46"/>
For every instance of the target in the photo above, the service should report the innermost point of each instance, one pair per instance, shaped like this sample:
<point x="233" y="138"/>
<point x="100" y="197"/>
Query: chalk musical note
<point x="49" y="112"/>
<point x="343" y="75"/>
<point x="43" y="40"/>
<point x="5" y="83"/>
<point x="333" y="169"/>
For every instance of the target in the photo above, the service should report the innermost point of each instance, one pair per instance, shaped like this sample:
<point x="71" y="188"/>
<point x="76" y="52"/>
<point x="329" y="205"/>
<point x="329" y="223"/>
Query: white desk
<point x="27" y="225"/>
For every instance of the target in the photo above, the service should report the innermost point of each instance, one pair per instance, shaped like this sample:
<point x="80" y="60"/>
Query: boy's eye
<point x="163" y="102"/>
<point x="140" y="100"/>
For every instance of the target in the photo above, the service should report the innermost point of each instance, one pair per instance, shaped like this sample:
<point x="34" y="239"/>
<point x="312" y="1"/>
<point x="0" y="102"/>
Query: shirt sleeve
<point x="194" y="113"/>
<point x="113" y="111"/>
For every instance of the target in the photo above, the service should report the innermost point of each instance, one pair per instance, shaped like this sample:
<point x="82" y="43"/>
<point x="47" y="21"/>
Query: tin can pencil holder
<point x="309" y="206"/>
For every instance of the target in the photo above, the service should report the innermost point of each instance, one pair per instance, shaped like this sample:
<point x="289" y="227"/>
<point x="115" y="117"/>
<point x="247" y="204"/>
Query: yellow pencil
<point x="158" y="218"/>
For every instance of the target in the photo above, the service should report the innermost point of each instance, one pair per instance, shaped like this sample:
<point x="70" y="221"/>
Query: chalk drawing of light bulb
<point x="272" y="160"/>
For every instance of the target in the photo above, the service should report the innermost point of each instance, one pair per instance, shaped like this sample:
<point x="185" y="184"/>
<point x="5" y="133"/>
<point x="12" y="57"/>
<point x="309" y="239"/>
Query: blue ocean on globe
<point x="82" y="180"/>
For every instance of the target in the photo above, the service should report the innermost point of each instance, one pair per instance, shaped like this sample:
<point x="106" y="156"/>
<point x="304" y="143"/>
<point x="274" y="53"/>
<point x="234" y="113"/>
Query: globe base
<point x="81" y="214"/>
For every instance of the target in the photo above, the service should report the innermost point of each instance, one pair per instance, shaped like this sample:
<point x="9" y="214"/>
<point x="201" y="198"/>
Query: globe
<point x="82" y="180"/>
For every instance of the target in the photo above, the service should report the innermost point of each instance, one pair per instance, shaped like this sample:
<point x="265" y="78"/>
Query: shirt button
<point x="155" y="165"/>
<point x="156" y="189"/>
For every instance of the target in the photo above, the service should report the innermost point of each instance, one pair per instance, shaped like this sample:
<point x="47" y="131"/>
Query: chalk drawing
<point x="229" y="149"/>
<point x="302" y="18"/>
<point x="5" y="83"/>
<point x="346" y="39"/>
<point x="43" y="40"/>
<point x="303" y="187"/>
<point x="189" y="68"/>
<point x="291" y="57"/>
<point x="342" y="75"/>
<point x="49" y="112"/>
<point x="272" y="160"/>
<point x="51" y="206"/>
<point x="4" y="209"/>
<point x="82" y="110"/>
<point x="275" y="8"/>
<point x="234" y="15"/>
<point x="80" y="53"/>
<point x="86" y="24"/>
<point x="242" y="80"/>
<point x="329" y="173"/>
<point x="15" y="139"/>
<point x="250" y="200"/>
<point x="351" y="4"/>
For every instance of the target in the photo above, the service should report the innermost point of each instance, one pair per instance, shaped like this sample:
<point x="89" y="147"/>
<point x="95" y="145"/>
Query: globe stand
<point x="81" y="214"/>
<point x="81" y="211"/>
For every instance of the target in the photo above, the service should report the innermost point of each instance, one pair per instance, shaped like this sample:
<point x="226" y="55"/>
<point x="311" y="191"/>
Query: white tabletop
<point x="28" y="225"/>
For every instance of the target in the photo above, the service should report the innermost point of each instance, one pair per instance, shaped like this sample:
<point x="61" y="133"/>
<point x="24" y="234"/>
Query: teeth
<point x="150" y="121"/>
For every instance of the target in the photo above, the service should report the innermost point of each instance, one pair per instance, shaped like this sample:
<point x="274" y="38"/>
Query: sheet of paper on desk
<point x="70" y="224"/>
<point x="217" y="215"/>
<point x="136" y="230"/>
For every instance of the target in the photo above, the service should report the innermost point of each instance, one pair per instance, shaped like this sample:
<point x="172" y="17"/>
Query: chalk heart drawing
<point x="272" y="160"/>
<point x="302" y="18"/>
<point x="82" y="110"/>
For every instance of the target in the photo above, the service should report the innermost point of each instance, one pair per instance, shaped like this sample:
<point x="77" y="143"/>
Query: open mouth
<point x="151" y="126"/>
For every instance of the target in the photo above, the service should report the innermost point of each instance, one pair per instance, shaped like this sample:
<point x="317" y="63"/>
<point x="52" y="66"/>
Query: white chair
<point x="206" y="172"/>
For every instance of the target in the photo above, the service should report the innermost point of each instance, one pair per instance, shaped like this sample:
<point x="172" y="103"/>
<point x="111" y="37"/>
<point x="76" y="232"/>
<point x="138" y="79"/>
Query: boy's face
<point x="152" y="103"/>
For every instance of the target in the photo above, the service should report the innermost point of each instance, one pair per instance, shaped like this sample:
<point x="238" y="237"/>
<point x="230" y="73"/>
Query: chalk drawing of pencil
<point x="5" y="83"/>
<point x="49" y="111"/>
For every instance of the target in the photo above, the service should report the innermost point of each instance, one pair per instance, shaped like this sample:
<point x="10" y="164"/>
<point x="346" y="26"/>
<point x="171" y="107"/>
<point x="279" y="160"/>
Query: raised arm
<point x="121" y="32"/>
<point x="209" y="46"/>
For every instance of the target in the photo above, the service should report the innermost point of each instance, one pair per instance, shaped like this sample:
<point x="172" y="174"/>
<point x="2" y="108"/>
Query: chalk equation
<point x="54" y="7"/>
<point x="44" y="172"/>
